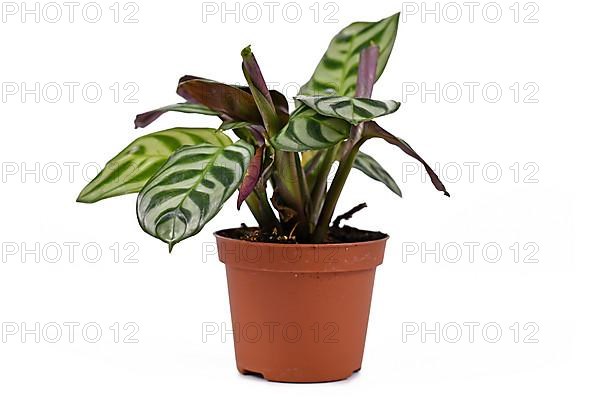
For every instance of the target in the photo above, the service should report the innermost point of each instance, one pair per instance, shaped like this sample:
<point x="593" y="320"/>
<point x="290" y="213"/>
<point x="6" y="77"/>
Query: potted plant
<point x="299" y="286"/>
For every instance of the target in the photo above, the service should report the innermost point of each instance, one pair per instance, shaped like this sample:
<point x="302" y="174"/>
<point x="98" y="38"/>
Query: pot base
<point x="286" y="379"/>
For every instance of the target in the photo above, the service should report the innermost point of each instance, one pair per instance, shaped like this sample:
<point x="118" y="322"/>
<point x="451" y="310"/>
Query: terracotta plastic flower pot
<point x="299" y="311"/>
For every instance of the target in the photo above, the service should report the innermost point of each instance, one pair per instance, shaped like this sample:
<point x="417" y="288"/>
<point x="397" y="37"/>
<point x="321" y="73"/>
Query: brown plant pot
<point x="299" y="311"/>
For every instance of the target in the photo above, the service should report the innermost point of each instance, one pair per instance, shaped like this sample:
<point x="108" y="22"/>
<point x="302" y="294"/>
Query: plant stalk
<point x="261" y="210"/>
<point x="333" y="194"/>
<point x="318" y="192"/>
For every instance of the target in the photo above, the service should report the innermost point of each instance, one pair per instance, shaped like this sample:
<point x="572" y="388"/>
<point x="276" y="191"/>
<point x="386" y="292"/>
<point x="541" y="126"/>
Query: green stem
<point x="333" y="194"/>
<point x="292" y="187"/>
<point x="319" y="188"/>
<point x="262" y="211"/>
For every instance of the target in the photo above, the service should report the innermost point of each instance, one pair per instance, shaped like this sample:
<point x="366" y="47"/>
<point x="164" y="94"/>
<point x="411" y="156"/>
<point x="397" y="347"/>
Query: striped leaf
<point x="145" y="119"/>
<point x="367" y="164"/>
<point x="353" y="110"/>
<point x="337" y="71"/>
<point x="190" y="189"/>
<point x="132" y="167"/>
<point x="309" y="130"/>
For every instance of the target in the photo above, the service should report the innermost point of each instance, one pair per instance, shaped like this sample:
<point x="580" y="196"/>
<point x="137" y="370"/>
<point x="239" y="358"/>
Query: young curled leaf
<point x="260" y="92"/>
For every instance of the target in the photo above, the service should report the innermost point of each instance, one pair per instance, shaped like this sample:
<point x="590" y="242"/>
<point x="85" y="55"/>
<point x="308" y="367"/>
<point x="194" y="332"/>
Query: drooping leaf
<point x="337" y="71"/>
<point x="252" y="176"/>
<point x="225" y="99"/>
<point x="353" y="110"/>
<point x="190" y="189"/>
<point x="370" y="167"/>
<point x="372" y="130"/>
<point x="129" y="170"/>
<point x="309" y="130"/>
<point x="145" y="119"/>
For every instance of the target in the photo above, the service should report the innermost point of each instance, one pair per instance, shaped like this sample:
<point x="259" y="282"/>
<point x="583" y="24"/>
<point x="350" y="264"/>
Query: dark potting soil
<point x="345" y="234"/>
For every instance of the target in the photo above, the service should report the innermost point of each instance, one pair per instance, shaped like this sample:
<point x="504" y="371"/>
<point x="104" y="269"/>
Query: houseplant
<point x="296" y="273"/>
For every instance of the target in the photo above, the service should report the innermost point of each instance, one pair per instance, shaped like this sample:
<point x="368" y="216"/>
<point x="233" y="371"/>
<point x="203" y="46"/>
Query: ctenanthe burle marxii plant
<point x="185" y="175"/>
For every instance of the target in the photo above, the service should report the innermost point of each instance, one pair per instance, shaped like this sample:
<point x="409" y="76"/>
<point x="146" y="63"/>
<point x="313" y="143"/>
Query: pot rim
<point x="219" y="235"/>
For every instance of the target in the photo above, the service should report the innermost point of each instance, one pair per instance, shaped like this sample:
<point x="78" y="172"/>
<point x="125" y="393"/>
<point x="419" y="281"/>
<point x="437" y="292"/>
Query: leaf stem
<point x="318" y="192"/>
<point x="261" y="210"/>
<point x="333" y="195"/>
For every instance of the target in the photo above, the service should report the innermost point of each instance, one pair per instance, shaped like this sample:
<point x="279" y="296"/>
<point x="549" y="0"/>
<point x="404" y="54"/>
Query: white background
<point x="170" y="297"/>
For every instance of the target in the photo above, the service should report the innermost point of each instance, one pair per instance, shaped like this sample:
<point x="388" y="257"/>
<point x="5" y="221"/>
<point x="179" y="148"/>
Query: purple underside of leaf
<point x="145" y="119"/>
<point x="367" y="68"/>
<point x="252" y="176"/>
<point x="372" y="129"/>
<point x="365" y="80"/>
<point x="220" y="97"/>
<point x="279" y="100"/>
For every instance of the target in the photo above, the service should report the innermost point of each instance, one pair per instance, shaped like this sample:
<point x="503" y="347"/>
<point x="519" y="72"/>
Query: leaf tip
<point x="84" y="197"/>
<point x="246" y="51"/>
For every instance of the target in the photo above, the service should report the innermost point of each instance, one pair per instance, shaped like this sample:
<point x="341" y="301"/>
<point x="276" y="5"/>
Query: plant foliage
<point x="183" y="176"/>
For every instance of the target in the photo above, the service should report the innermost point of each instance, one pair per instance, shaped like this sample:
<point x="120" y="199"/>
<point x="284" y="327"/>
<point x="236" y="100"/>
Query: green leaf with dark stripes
<point x="309" y="130"/>
<point x="353" y="110"/>
<point x="145" y="119"/>
<point x="337" y="71"/>
<point x="190" y="188"/>
<point x="367" y="164"/>
<point x="129" y="170"/>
